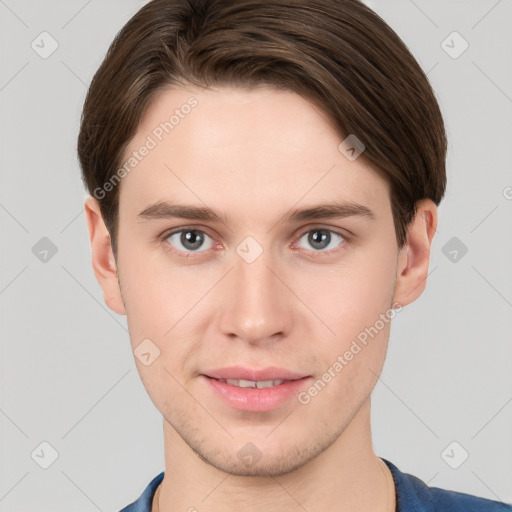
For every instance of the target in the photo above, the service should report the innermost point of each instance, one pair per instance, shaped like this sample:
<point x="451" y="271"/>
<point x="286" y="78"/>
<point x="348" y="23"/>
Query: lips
<point x="252" y="389"/>
<point x="260" y="390"/>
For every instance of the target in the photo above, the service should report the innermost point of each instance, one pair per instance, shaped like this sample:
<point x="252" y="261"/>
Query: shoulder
<point x="143" y="503"/>
<point x="412" y="494"/>
<point x="458" y="501"/>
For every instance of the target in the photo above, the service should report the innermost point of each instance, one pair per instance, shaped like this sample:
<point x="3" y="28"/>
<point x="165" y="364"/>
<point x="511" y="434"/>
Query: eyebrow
<point x="338" y="210"/>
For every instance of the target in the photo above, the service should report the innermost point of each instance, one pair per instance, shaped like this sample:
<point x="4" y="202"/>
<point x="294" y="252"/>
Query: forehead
<point x="247" y="146"/>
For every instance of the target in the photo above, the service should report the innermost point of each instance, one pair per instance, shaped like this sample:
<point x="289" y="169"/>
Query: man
<point x="264" y="183"/>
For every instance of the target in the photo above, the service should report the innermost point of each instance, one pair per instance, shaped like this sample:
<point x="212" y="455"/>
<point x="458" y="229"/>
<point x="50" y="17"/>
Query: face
<point x="231" y="272"/>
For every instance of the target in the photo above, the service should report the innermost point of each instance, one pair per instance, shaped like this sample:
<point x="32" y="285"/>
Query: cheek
<point x="350" y="296"/>
<point x="356" y="305"/>
<point x="155" y="294"/>
<point x="162" y="313"/>
<point x="159" y="307"/>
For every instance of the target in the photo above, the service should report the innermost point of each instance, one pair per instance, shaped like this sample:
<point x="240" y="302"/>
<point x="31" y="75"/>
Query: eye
<point x="322" y="240"/>
<point x="191" y="240"/>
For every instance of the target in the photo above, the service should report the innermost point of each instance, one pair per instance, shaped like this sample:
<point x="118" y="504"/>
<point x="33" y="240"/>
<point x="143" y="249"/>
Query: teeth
<point x="253" y="383"/>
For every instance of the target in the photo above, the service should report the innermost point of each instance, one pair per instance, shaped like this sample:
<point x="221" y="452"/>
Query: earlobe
<point x="414" y="258"/>
<point x="103" y="261"/>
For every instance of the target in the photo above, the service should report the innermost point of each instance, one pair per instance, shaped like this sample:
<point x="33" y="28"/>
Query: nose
<point x="256" y="305"/>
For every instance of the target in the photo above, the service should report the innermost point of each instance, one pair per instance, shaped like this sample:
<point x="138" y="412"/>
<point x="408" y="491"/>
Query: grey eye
<point x="322" y="239"/>
<point x="190" y="240"/>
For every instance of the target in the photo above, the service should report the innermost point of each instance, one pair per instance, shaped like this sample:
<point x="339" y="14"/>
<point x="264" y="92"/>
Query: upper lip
<point x="254" y="374"/>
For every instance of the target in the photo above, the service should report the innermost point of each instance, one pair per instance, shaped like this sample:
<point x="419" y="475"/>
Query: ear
<point x="414" y="257"/>
<point x="103" y="261"/>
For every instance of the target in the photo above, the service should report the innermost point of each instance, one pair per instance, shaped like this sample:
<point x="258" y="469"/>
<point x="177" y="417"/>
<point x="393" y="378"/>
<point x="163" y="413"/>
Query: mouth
<point x="255" y="390"/>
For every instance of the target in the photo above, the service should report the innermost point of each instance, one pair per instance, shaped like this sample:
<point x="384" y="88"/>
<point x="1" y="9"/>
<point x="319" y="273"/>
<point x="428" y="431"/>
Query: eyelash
<point x="188" y="254"/>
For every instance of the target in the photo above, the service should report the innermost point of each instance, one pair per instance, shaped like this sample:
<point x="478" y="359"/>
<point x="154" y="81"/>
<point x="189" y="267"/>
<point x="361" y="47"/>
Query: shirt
<point x="412" y="495"/>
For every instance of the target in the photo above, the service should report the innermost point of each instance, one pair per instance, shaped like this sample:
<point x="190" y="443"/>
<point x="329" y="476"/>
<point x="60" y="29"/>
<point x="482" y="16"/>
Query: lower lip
<point x="254" y="399"/>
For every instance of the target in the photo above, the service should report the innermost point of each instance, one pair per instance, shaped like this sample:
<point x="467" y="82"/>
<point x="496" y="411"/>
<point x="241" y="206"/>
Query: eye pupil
<point x="191" y="239"/>
<point x="315" y="240"/>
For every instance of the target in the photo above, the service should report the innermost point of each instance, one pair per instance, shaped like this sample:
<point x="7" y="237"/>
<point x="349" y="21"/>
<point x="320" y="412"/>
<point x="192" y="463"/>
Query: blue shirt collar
<point x="411" y="495"/>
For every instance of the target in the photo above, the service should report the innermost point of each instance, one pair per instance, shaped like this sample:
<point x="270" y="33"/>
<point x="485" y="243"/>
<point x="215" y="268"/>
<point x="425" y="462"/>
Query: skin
<point x="253" y="155"/>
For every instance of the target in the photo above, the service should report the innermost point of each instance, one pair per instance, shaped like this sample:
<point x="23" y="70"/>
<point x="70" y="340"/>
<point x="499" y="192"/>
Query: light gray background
<point x="67" y="373"/>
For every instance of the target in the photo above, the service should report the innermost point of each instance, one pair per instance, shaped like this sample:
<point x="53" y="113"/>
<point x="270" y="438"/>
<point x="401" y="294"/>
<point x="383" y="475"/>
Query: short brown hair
<point x="338" y="54"/>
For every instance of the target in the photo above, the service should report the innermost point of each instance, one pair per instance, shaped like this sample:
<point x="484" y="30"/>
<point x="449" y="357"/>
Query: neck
<point x="347" y="476"/>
